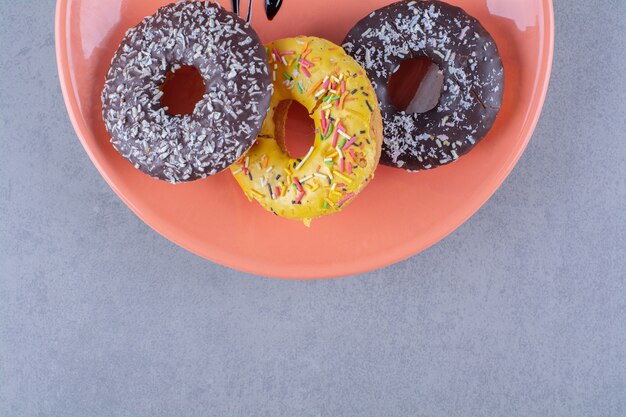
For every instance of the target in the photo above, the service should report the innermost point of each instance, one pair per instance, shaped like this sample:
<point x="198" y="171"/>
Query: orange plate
<point x="397" y="216"/>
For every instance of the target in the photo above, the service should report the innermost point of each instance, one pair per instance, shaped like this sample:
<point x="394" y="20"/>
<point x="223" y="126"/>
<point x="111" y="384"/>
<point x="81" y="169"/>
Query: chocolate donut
<point x="233" y="65"/>
<point x="468" y="60"/>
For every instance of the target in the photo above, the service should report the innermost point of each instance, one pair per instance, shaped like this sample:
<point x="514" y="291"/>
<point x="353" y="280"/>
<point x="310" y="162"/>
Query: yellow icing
<point x="325" y="190"/>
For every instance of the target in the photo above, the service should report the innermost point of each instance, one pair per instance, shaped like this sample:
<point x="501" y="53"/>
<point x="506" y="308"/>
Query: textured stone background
<point x="100" y="316"/>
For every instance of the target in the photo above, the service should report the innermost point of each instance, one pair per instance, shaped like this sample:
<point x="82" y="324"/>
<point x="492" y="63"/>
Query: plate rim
<point x="340" y="270"/>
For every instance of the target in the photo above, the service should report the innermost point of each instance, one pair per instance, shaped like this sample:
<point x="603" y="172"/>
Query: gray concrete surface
<point x="100" y="316"/>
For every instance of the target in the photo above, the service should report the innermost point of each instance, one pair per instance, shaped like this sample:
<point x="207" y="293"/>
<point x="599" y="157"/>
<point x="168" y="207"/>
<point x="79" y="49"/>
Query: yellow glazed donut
<point x="334" y="89"/>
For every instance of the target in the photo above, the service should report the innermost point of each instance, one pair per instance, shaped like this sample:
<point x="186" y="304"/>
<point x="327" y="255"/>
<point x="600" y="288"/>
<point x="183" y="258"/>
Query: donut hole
<point x="295" y="129"/>
<point x="416" y="86"/>
<point x="182" y="90"/>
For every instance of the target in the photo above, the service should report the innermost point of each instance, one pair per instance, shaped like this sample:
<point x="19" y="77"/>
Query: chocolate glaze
<point x="272" y="7"/>
<point x="232" y="62"/>
<point x="467" y="57"/>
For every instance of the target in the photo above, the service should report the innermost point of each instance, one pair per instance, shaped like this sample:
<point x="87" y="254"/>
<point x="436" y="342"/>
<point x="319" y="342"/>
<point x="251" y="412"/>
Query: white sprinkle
<point x="319" y="93"/>
<point x="463" y="32"/>
<point x="305" y="158"/>
<point x="342" y="133"/>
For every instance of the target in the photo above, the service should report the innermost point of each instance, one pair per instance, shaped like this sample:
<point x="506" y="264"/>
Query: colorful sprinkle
<point x="343" y="177"/>
<point x="315" y="87"/>
<point x="297" y="184"/>
<point x="339" y="127"/>
<point x="299" y="198"/>
<point x="349" y="143"/>
<point x="346" y="198"/>
<point x="343" y="99"/>
<point x="329" y="130"/>
<point x="276" y="54"/>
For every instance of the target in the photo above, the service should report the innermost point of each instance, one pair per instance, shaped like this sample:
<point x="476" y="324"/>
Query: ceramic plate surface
<point x="396" y="216"/>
